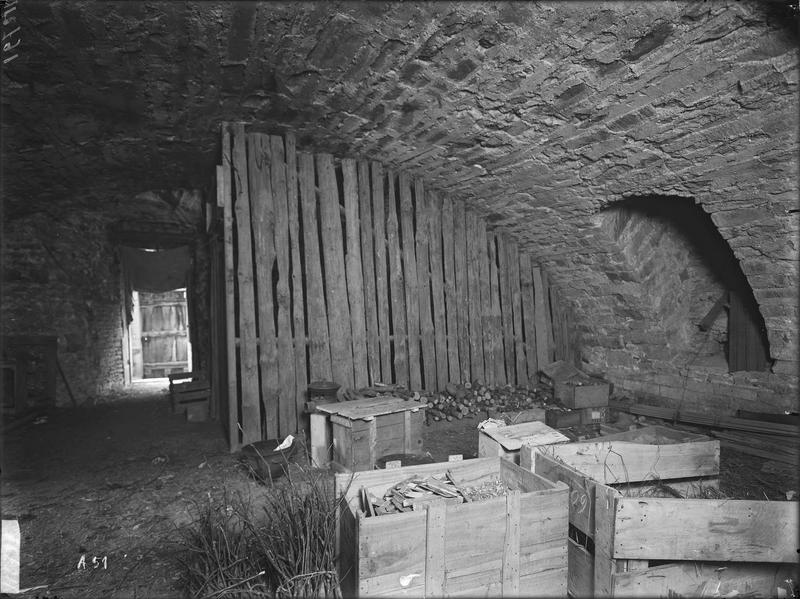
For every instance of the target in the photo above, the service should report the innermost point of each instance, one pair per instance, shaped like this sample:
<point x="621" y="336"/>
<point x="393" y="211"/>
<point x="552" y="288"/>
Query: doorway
<point x="159" y="334"/>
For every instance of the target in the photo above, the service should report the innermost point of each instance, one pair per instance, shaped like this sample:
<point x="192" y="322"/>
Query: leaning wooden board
<point x="751" y="540"/>
<point x="507" y="545"/>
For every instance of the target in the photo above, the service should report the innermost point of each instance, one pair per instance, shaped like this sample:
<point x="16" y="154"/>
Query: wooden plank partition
<point x="338" y="269"/>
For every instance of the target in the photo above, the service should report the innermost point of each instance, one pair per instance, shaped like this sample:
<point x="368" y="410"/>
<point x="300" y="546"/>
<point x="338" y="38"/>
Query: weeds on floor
<point x="284" y="548"/>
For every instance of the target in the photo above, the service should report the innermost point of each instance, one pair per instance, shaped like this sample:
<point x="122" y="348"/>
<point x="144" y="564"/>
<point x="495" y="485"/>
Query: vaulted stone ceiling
<point x="538" y="114"/>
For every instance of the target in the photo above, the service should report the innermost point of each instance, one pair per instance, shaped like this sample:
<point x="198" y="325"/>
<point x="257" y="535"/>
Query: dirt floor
<point x="103" y="493"/>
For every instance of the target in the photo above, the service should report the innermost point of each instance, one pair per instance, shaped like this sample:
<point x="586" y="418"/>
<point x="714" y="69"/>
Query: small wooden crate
<point x="506" y="441"/>
<point x="509" y="545"/>
<point x="364" y="430"/>
<point x="574" y="388"/>
<point x="716" y="546"/>
<point x="578" y="417"/>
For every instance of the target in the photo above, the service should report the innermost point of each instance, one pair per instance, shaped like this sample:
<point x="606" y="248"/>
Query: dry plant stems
<point x="297" y="541"/>
<point x="220" y="561"/>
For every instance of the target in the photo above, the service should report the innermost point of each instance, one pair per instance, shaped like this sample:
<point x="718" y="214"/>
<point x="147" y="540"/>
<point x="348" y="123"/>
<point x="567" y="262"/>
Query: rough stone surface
<point x="538" y="115"/>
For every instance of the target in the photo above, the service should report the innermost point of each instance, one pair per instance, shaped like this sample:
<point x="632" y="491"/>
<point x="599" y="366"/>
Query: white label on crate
<point x="457" y="457"/>
<point x="392" y="464"/>
<point x="596" y="415"/>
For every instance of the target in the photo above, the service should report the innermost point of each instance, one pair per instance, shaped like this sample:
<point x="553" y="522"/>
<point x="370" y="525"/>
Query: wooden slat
<point x="381" y="281"/>
<point x="506" y="308"/>
<point x="214" y="320"/>
<point x="319" y="343"/>
<point x="511" y="545"/>
<point x="486" y="303"/>
<point x="549" y="292"/>
<point x="496" y="319"/>
<point x="411" y="281"/>
<point x="615" y="462"/>
<point x="355" y="279"/>
<point x="605" y="502"/>
<point x="474" y="299"/>
<point x="368" y="274"/>
<point x="581" y="488"/>
<point x="529" y="328"/>
<point x="251" y="416"/>
<point x="224" y="183"/>
<point x="335" y="282"/>
<point x="298" y="303"/>
<point x="451" y="301"/>
<point x="723" y="579"/>
<point x="580" y="571"/>
<point x="541" y="320"/>
<point x="287" y="416"/>
<point x="462" y="312"/>
<point x="706" y="530"/>
<point x="516" y="304"/>
<point x="428" y="353"/>
<point x="262" y="216"/>
<point x="438" y="290"/>
<point x="397" y="287"/>
<point x="435" y="574"/>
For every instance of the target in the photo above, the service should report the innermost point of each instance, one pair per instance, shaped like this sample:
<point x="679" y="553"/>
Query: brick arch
<point x="681" y="260"/>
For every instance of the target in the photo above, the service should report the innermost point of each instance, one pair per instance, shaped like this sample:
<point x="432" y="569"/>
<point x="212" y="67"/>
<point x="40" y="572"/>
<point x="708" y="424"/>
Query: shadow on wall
<point x="693" y="280"/>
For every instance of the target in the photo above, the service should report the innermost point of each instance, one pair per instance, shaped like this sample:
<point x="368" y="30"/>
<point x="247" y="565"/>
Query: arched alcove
<point x="690" y="278"/>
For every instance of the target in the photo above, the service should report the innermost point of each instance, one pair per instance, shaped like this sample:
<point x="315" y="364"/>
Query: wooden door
<point x="164" y="334"/>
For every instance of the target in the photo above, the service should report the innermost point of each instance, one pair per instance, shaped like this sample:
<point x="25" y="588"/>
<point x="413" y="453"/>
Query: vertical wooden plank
<point x="435" y="574"/>
<point x="411" y="281"/>
<point x="451" y="301"/>
<point x="251" y="414"/>
<point x="318" y="341"/>
<point x="263" y="218"/>
<point x="224" y="191"/>
<point x="506" y="308"/>
<point x="287" y="417"/>
<point x="604" y="564"/>
<point x="381" y="281"/>
<point x="407" y="433"/>
<point x="511" y="546"/>
<point x="548" y="316"/>
<point x="437" y="290"/>
<point x="529" y="329"/>
<point x="541" y="320"/>
<point x="499" y="365"/>
<point x="484" y="284"/>
<point x="474" y="301"/>
<point x="355" y="279"/>
<point x="398" y="287"/>
<point x="368" y="266"/>
<point x="424" y="286"/>
<point x="462" y="313"/>
<point x="336" y="288"/>
<point x="213" y="322"/>
<point x="298" y="303"/>
<point x="516" y="305"/>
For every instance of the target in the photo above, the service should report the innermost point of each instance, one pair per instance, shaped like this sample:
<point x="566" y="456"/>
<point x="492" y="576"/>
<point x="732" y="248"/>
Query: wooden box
<point x="508" y="545"/>
<point x="703" y="546"/>
<point x="506" y="441"/>
<point x="364" y="430"/>
<point x="578" y="417"/>
<point x="574" y="388"/>
<point x="582" y="392"/>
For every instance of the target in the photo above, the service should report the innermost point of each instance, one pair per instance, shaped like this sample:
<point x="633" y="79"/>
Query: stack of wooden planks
<point x="756" y="435"/>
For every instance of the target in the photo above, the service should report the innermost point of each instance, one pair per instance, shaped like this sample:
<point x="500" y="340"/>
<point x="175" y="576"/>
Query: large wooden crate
<point x="365" y="430"/>
<point x="513" y="545"/>
<point x="643" y="546"/>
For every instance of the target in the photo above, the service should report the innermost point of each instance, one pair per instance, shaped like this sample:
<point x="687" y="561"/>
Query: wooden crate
<point x="717" y="546"/>
<point x="506" y="441"/>
<point x="364" y="430"/>
<point x="511" y="545"/>
<point x="574" y="388"/>
<point x="579" y="417"/>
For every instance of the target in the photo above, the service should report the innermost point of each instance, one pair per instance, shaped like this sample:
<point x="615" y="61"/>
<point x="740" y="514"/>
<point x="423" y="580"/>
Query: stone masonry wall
<point x="60" y="278"/>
